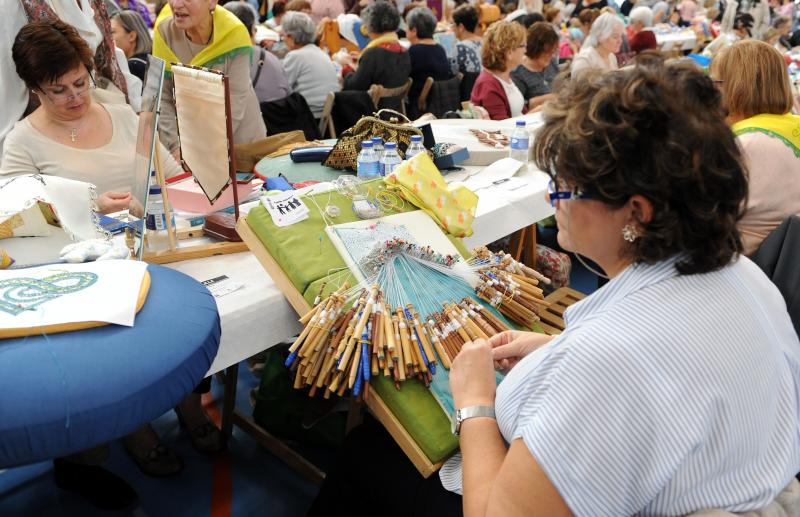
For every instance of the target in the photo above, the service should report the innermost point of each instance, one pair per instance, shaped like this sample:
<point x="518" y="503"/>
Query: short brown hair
<point x="298" y="5"/>
<point x="587" y="17"/>
<point x="753" y="79"/>
<point x="44" y="51"/>
<point x="550" y="13"/>
<point x="542" y="38"/>
<point x="657" y="131"/>
<point x="497" y="41"/>
<point x="467" y="16"/>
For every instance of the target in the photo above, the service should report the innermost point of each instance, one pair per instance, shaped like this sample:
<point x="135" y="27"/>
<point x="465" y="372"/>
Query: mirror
<point x="145" y="149"/>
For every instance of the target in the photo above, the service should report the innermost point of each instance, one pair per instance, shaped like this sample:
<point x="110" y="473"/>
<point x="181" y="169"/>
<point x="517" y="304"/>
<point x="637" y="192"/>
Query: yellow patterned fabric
<point x="786" y="128"/>
<point x="380" y="40"/>
<point x="230" y="38"/>
<point x="8" y="226"/>
<point x="420" y="183"/>
<point x="5" y="259"/>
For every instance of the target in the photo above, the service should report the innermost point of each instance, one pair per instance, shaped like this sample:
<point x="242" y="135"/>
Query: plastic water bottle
<point x="368" y="165"/>
<point x="377" y="145"/>
<point x="156" y="221"/>
<point x="519" y="143"/>
<point x="415" y="148"/>
<point x="389" y="159"/>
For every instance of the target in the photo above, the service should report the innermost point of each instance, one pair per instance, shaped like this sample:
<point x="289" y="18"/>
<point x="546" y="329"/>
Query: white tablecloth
<point x="255" y="317"/>
<point x="457" y="131"/>
<point x="502" y="211"/>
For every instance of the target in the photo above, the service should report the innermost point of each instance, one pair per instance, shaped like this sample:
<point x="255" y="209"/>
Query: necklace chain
<point x="73" y="129"/>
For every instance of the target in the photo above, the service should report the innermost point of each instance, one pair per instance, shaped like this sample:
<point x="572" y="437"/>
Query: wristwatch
<point x="470" y="412"/>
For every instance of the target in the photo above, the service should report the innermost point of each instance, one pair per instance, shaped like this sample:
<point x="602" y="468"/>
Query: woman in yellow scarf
<point x="201" y="33"/>
<point x="384" y="61"/>
<point x="756" y="91"/>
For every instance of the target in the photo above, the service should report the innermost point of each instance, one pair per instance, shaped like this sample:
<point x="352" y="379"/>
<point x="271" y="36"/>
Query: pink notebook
<point x="187" y="196"/>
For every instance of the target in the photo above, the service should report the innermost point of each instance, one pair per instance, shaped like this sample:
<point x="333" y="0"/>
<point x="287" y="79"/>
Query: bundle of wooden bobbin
<point x="355" y="334"/>
<point x="341" y="349"/>
<point x="509" y="286"/>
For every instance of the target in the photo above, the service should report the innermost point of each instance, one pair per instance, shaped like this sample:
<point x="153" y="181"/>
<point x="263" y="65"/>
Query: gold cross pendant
<point x="73" y="134"/>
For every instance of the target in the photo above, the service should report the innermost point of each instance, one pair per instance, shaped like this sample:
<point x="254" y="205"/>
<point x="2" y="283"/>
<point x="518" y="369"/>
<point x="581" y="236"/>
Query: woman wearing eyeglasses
<point x="674" y="388"/>
<point x="502" y="50"/>
<point x="535" y="76"/>
<point x="69" y="135"/>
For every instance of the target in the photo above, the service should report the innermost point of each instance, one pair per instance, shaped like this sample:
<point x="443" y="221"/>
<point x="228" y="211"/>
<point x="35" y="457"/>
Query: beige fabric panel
<point x="200" y="106"/>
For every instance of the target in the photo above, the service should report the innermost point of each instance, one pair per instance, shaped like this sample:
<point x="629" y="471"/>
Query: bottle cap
<point x="390" y="145"/>
<point x="520" y="123"/>
<point x="377" y="140"/>
<point x="366" y="144"/>
<point x="416" y="138"/>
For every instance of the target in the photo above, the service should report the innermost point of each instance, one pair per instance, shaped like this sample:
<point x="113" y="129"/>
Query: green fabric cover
<point x="420" y="414"/>
<point x="332" y="282"/>
<point x="304" y="250"/>
<point x="308" y="257"/>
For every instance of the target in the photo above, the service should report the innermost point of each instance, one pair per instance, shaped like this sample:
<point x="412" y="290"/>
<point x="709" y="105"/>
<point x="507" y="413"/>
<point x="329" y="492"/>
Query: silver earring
<point x="630" y="233"/>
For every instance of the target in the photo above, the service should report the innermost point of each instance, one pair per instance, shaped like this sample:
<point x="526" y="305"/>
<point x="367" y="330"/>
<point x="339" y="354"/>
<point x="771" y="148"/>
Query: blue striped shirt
<point x="665" y="395"/>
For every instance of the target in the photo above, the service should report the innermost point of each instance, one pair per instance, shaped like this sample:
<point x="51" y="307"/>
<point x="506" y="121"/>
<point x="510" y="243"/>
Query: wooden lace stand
<point x="374" y="402"/>
<point x="552" y="322"/>
<point x="174" y="253"/>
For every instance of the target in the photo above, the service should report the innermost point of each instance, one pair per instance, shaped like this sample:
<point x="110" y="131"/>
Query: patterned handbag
<point x="397" y="128"/>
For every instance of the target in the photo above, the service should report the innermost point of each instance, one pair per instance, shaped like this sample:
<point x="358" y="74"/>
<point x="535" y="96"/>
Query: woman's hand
<point x="472" y="379"/>
<point x="481" y="112"/>
<point x="109" y="202"/>
<point x="536" y="102"/>
<point x="509" y="347"/>
<point x="135" y="208"/>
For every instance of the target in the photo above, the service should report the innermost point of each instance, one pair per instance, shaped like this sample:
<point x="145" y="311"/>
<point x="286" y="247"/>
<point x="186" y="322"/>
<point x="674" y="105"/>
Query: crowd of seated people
<point x="397" y="42"/>
<point x="623" y="139"/>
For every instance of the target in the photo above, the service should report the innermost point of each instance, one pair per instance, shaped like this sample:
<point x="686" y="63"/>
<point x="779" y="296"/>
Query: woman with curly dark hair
<point x="674" y="388"/>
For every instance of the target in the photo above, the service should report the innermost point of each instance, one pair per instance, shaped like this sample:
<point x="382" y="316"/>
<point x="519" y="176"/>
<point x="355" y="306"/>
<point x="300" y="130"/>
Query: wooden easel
<point x="523" y="246"/>
<point x="173" y="253"/>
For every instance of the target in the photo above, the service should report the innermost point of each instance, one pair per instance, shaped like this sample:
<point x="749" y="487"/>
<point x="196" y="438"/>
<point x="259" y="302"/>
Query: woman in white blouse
<point x="674" y="388"/>
<point x="599" y="49"/>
